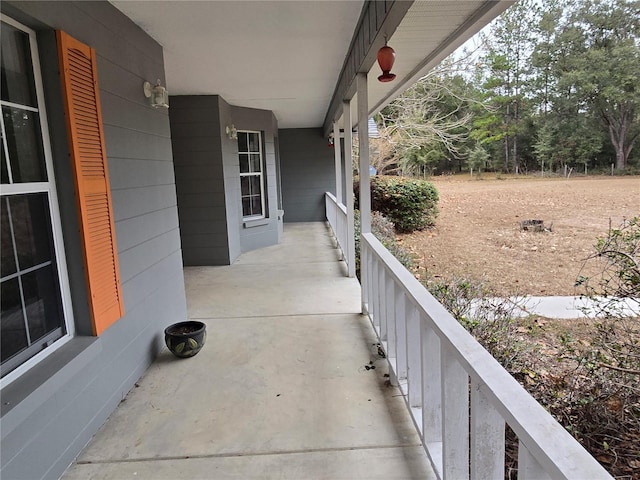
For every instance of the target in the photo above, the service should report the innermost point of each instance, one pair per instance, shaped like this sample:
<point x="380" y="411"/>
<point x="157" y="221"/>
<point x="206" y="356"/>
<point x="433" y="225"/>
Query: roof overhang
<point x="429" y="33"/>
<point x="288" y="56"/>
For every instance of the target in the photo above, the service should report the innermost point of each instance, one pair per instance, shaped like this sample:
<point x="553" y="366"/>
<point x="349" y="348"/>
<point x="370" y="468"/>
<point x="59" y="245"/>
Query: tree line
<point x="553" y="86"/>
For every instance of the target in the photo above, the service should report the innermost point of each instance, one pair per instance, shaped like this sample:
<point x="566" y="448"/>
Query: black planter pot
<point x="185" y="339"/>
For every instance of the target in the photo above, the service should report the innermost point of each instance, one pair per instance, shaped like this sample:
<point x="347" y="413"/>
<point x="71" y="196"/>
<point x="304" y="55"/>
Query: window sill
<point x="24" y="395"/>
<point x="255" y="223"/>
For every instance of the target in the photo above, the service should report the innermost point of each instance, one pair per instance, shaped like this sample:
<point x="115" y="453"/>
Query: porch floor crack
<point x="249" y="454"/>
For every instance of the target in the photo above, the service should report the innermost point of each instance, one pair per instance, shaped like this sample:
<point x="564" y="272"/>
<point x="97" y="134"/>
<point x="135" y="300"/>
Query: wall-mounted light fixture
<point x="232" y="132"/>
<point x="157" y="95"/>
<point x="386" y="57"/>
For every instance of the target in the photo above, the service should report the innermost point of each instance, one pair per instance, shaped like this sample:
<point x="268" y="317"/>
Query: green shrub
<point x="410" y="203"/>
<point x="384" y="231"/>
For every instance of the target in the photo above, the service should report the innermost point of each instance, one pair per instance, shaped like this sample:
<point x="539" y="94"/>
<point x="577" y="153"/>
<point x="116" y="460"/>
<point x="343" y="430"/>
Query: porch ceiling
<point x="283" y="56"/>
<point x="286" y="56"/>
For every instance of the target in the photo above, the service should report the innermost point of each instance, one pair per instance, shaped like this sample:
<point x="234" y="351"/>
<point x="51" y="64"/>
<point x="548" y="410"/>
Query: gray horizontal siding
<point x="137" y="231"/>
<point x="212" y="255"/>
<point x="196" y="200"/>
<point x="134" y="202"/>
<point x="208" y="172"/>
<point x="198" y="214"/>
<point x="204" y="240"/>
<point x="202" y="227"/>
<point x="132" y="116"/>
<point x="189" y="128"/>
<point x="144" y="283"/>
<point x="133" y="144"/>
<point x="145" y="255"/>
<point x="58" y="405"/>
<point x="197" y="150"/>
<point x="133" y="173"/>
<point x="307" y="172"/>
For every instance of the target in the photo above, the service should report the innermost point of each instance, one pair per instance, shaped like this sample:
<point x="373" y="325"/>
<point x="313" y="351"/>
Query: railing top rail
<point x="553" y="447"/>
<point x="334" y="200"/>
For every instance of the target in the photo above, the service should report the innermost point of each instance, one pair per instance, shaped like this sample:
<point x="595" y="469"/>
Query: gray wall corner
<point x="308" y="171"/>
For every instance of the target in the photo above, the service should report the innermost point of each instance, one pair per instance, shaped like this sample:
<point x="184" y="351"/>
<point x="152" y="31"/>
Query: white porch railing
<point x="460" y="398"/>
<point x="337" y="217"/>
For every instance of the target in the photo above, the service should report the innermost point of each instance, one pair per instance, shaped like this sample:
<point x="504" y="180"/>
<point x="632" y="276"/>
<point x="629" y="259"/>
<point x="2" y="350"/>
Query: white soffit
<point x="283" y="56"/>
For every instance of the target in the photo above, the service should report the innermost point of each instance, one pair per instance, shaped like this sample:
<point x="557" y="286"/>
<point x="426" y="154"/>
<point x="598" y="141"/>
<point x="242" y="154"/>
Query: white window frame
<point x="255" y="174"/>
<point x="48" y="187"/>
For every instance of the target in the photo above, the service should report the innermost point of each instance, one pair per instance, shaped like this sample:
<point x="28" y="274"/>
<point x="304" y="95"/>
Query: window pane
<point x="17" y="83"/>
<point x="244" y="163"/>
<point x="42" y="302"/>
<point x="245" y="186"/>
<point x="8" y="261"/>
<point x="4" y="171"/>
<point x="32" y="229"/>
<point x="242" y="142"/>
<point x="255" y="185"/>
<point x="24" y="145"/>
<point x="246" y="207"/>
<point x="13" y="332"/>
<point x="256" y="205"/>
<point x="254" y="142"/>
<point x="255" y="163"/>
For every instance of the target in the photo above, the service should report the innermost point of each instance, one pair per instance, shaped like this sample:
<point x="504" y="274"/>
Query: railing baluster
<point x="431" y="395"/>
<point x="487" y="437"/>
<point x="375" y="293"/>
<point x="338" y="224"/>
<point x="528" y="466"/>
<point x="392" y="347"/>
<point x="401" y="334"/>
<point x="365" y="268"/>
<point x="455" y="417"/>
<point x="414" y="384"/>
<point x="366" y="272"/>
<point x="342" y="235"/>
<point x="382" y="292"/>
<point x="431" y="385"/>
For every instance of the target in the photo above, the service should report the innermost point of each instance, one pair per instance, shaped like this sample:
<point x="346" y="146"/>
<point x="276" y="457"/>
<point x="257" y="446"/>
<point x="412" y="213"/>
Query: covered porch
<point x="295" y="382"/>
<point x="283" y="388"/>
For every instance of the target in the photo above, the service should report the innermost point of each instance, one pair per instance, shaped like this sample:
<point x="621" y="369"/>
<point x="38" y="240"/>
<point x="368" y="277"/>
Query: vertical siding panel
<point x="79" y="81"/>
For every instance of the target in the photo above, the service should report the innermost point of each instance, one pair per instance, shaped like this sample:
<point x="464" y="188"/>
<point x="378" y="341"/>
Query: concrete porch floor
<point x="280" y="389"/>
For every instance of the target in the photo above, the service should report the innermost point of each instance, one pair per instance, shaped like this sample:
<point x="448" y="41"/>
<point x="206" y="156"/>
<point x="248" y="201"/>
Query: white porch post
<point x="338" y="160"/>
<point x="363" y="147"/>
<point x="365" y="190"/>
<point x="348" y="181"/>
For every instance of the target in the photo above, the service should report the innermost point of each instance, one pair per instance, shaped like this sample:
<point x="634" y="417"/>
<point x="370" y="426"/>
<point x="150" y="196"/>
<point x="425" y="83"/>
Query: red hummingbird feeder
<point x="386" y="57"/>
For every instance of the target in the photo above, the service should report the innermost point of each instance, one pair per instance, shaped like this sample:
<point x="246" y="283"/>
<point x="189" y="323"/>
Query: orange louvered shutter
<point x="88" y="157"/>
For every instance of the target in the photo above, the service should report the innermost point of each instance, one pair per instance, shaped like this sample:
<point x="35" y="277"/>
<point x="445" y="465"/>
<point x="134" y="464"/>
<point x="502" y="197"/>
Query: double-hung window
<point x="251" y="174"/>
<point x="35" y="311"/>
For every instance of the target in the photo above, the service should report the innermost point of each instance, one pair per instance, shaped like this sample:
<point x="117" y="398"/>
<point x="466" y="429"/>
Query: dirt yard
<point x="478" y="232"/>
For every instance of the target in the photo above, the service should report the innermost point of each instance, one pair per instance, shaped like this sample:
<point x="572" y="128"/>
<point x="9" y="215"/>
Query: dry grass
<point x="478" y="232"/>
